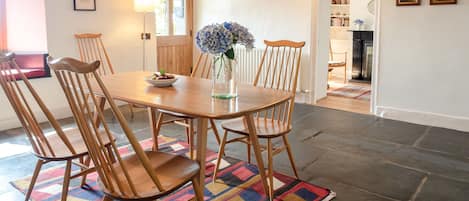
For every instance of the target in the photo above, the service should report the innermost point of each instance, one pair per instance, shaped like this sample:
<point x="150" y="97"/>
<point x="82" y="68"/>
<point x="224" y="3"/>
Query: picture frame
<point x="443" y="2"/>
<point x="84" y="5"/>
<point x="408" y="2"/>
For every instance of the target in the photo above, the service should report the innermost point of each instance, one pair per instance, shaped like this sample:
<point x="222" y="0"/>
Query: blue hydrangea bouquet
<point x="219" y="40"/>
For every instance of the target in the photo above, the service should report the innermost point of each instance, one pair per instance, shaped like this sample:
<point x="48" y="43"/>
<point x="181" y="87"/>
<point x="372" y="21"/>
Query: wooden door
<point x="174" y="36"/>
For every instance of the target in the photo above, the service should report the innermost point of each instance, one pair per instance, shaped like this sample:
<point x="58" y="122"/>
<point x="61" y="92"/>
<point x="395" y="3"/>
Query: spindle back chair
<point x="63" y="145"/>
<point x="203" y="66"/>
<point x="278" y="70"/>
<point x="91" y="48"/>
<point x="334" y="63"/>
<point x="202" y="70"/>
<point x="143" y="175"/>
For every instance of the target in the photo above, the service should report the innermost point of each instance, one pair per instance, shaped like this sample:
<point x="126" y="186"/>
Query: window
<point x="3" y="26"/>
<point x="23" y="31"/>
<point x="171" y="18"/>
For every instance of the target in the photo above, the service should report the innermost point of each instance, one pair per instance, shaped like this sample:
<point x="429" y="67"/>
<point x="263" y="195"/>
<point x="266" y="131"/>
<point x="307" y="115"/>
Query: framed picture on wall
<point x="440" y="2"/>
<point x="84" y="5"/>
<point x="408" y="2"/>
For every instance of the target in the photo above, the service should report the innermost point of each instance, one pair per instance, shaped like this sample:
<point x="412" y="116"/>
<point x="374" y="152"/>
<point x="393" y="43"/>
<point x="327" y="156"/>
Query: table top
<point x="191" y="96"/>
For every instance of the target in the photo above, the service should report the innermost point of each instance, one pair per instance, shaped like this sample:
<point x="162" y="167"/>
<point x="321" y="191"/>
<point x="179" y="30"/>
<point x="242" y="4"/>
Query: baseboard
<point x="59" y="113"/>
<point x="13" y="122"/>
<point x="424" y="118"/>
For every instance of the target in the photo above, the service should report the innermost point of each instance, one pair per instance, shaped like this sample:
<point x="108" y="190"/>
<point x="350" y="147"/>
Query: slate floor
<point x="360" y="157"/>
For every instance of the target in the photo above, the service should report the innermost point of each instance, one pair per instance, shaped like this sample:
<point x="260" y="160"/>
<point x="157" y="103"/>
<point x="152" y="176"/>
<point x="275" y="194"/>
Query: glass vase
<point x="224" y="85"/>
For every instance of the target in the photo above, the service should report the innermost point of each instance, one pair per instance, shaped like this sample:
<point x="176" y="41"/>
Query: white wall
<point x="423" y="70"/>
<point x="26" y="25"/>
<point x="320" y="37"/>
<point x="359" y="10"/>
<point x="266" y="19"/>
<point x="121" y="28"/>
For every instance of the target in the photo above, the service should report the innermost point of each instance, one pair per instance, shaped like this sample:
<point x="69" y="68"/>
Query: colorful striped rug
<point x="237" y="180"/>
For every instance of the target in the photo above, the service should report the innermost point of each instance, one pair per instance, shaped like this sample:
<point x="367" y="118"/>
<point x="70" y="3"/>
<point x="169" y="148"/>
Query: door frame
<point x="317" y="59"/>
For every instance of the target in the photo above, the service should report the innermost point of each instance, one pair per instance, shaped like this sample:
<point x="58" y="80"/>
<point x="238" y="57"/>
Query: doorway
<point x="349" y="75"/>
<point x="174" y="36"/>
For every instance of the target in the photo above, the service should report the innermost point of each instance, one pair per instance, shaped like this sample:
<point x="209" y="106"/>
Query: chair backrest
<point x="91" y="48"/>
<point x="203" y="67"/>
<point x="18" y="99"/>
<point x="77" y="80"/>
<point x="279" y="68"/>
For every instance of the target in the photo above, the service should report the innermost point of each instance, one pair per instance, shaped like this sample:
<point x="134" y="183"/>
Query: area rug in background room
<point x="237" y="180"/>
<point x="360" y="92"/>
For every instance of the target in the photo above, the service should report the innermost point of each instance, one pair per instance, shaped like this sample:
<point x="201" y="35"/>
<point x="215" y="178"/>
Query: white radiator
<point x="248" y="63"/>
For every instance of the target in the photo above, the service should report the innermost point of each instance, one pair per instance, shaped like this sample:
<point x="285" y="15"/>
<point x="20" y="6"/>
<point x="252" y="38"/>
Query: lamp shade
<point x="144" y="5"/>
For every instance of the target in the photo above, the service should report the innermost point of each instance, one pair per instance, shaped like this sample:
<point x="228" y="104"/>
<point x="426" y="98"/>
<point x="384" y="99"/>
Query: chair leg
<point x="131" y="108"/>
<point x="157" y="128"/>
<point x="68" y="171"/>
<point x="87" y="163"/>
<point x="188" y="131"/>
<point x="221" y="152"/>
<point x="199" y="193"/>
<point x="34" y="178"/>
<point x="215" y="131"/>
<point x="270" y="173"/>
<point x="249" y="150"/>
<point x="345" y="75"/>
<point x="191" y="138"/>
<point x="290" y="155"/>
<point x="111" y="154"/>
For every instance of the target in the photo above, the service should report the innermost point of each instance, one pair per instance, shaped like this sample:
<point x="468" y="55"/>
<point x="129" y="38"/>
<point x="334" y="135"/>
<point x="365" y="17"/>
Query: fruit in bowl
<point x="162" y="76"/>
<point x="161" y="79"/>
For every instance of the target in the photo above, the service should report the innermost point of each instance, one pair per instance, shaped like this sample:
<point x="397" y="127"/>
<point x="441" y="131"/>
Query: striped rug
<point x="237" y="180"/>
<point x="350" y="91"/>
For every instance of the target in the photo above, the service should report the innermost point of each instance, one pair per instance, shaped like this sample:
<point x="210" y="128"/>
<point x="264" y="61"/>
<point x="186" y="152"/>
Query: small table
<point x="192" y="96"/>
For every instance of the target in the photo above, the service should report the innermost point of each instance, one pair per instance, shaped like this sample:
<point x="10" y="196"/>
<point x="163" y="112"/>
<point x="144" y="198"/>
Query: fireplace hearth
<point x="362" y="56"/>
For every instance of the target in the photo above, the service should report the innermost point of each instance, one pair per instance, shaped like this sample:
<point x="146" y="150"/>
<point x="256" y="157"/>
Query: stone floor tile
<point x="394" y="131"/>
<point x="448" y="141"/>
<point x="442" y="189"/>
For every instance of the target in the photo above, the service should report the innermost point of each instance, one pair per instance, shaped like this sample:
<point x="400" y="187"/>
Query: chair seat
<point x="337" y="64"/>
<point x="173" y="172"/>
<point x="265" y="128"/>
<point x="175" y="114"/>
<point x="74" y="136"/>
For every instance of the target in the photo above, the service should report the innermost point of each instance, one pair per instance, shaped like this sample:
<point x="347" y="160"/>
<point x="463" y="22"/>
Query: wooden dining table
<point x="192" y="96"/>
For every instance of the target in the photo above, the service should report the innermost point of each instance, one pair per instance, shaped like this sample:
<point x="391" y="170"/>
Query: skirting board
<point x="424" y="118"/>
<point x="59" y="113"/>
<point x="13" y="122"/>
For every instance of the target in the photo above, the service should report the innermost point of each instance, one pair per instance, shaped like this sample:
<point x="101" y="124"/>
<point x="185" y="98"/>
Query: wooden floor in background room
<point x="351" y="97"/>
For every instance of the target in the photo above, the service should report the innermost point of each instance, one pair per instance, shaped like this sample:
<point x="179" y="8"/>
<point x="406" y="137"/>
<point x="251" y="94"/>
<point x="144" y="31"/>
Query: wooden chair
<point x="63" y="145"/>
<point x="279" y="67"/>
<point x="201" y="70"/>
<point x="91" y="48"/>
<point x="333" y="63"/>
<point x="143" y="175"/>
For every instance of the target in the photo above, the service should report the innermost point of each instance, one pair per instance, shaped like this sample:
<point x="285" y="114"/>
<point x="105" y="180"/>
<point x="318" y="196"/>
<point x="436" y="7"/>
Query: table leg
<point x="202" y="125"/>
<point x="100" y="105"/>
<point x="249" y="121"/>
<point x="152" y="118"/>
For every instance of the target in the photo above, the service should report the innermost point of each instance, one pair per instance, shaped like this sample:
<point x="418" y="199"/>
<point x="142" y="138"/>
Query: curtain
<point x="3" y="26"/>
